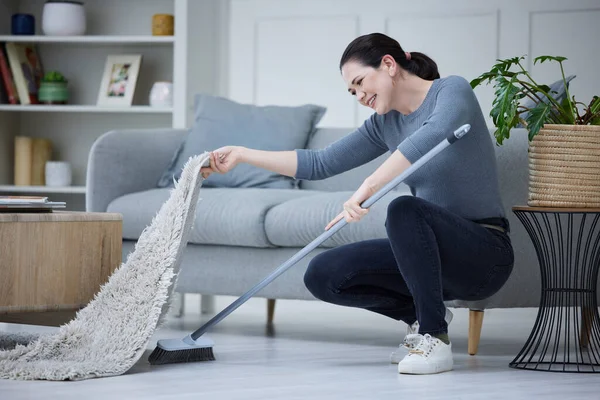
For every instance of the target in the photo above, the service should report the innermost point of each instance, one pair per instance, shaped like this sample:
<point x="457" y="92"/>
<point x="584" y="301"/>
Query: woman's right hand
<point x="222" y="160"/>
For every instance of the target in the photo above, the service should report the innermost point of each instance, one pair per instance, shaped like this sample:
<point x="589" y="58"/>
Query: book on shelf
<point x="6" y="78"/>
<point x="26" y="70"/>
<point x="31" y="155"/>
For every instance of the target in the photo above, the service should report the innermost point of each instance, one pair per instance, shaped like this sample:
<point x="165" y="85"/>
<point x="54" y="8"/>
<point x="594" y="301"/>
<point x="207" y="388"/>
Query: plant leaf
<point x="504" y="65"/>
<point x="501" y="68"/>
<point x="594" y="109"/>
<point x="488" y="76"/>
<point x="545" y="88"/>
<point x="537" y="117"/>
<point x="504" y="108"/>
<point x="567" y="116"/>
<point x="595" y="105"/>
<point x="543" y="59"/>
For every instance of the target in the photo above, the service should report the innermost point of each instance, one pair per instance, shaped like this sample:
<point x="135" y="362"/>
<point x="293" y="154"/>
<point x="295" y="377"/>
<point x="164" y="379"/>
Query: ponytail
<point x="421" y="65"/>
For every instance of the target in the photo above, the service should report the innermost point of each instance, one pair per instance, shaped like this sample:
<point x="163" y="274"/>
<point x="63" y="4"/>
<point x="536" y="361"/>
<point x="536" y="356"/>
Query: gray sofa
<point x="240" y="235"/>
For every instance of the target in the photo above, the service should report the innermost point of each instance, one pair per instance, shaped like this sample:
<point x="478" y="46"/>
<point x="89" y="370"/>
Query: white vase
<point x="161" y="94"/>
<point x="58" y="173"/>
<point x="63" y="18"/>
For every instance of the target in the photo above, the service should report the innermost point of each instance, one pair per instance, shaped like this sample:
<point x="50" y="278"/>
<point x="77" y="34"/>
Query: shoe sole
<point x="425" y="369"/>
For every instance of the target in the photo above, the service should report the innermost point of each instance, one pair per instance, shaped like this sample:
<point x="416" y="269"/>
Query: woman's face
<point x="372" y="87"/>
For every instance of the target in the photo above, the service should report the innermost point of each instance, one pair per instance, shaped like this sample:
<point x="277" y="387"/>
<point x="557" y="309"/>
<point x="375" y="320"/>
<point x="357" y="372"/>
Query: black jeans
<point x="430" y="255"/>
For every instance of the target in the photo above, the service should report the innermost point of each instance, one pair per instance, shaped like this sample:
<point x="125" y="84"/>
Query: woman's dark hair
<point x="370" y="49"/>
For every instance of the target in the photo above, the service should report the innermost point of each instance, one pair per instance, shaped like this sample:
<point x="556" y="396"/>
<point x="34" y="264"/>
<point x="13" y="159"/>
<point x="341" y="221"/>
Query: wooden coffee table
<point x="53" y="263"/>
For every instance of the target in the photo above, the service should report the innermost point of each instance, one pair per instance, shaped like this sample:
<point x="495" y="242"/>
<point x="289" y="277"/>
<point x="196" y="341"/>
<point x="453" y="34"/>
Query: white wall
<point x="287" y="51"/>
<point x="207" y="30"/>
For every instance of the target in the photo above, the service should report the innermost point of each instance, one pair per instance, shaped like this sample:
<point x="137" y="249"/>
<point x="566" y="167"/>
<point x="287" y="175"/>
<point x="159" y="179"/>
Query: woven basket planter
<point x="564" y="166"/>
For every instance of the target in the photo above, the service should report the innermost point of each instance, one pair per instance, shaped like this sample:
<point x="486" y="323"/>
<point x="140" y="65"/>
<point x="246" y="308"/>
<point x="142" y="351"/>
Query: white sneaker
<point x="430" y="356"/>
<point x="412" y="339"/>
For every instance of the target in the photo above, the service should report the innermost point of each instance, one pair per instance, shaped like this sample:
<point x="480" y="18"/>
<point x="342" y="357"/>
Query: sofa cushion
<point x="233" y="217"/>
<point x="221" y="122"/>
<point x="299" y="221"/>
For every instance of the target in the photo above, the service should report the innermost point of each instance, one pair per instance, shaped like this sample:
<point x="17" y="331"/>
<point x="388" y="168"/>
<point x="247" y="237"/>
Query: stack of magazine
<point x="28" y="204"/>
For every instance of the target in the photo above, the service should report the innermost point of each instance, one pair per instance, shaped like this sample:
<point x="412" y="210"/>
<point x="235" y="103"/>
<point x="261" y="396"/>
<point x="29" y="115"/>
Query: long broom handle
<point x="460" y="132"/>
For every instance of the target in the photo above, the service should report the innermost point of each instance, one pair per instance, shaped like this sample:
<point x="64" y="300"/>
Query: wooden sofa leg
<point x="475" y="323"/>
<point x="270" y="310"/>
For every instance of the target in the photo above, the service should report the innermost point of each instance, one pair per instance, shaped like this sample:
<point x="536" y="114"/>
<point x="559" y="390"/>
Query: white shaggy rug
<point x="110" y="334"/>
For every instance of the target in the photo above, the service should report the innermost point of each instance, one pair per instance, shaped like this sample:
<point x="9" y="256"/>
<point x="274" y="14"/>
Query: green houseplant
<point x="564" y="134"/>
<point x="514" y="86"/>
<point x="53" y="89"/>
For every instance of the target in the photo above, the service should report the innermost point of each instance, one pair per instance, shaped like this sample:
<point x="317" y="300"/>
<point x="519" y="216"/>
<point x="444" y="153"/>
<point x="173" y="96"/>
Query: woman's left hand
<point x="353" y="212"/>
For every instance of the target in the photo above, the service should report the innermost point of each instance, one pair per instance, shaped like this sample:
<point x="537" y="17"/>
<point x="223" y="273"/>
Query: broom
<point x="196" y="347"/>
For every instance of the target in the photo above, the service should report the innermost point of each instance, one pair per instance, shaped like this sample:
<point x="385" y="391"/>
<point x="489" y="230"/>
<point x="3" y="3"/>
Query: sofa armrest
<point x="127" y="161"/>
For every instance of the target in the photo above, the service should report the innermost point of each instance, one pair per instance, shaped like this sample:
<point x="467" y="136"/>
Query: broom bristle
<point x="161" y="356"/>
<point x="187" y="349"/>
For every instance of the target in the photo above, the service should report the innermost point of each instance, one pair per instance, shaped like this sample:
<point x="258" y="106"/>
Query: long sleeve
<point x="454" y="107"/>
<point x="355" y="149"/>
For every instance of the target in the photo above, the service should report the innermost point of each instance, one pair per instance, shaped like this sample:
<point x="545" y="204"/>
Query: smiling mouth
<point x="371" y="102"/>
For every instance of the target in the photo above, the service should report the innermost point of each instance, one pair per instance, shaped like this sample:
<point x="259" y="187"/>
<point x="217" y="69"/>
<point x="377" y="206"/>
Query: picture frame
<point x="119" y="79"/>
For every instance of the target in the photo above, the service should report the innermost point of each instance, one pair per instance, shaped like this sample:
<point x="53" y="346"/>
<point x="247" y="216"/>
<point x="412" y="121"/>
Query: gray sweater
<point x="462" y="178"/>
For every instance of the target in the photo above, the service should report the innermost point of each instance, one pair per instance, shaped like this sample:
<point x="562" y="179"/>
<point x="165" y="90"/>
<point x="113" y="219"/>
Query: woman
<point x="447" y="241"/>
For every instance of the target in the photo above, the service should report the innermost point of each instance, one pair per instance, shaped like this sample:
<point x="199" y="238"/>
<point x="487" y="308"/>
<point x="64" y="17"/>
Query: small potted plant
<point x="564" y="134"/>
<point x="53" y="89"/>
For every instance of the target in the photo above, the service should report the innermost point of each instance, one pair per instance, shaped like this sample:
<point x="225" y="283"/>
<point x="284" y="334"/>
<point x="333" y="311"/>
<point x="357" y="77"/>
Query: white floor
<point x="319" y="351"/>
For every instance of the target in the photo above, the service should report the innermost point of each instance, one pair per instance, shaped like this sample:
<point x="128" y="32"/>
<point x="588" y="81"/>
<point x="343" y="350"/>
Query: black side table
<point x="566" y="333"/>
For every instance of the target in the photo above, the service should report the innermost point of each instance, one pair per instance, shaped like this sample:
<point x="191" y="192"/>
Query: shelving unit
<point x="85" y="109"/>
<point x="113" y="27"/>
<point x="90" y="39"/>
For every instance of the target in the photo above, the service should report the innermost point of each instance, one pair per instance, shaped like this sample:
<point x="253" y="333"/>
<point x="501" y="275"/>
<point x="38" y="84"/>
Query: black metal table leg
<point x="566" y="333"/>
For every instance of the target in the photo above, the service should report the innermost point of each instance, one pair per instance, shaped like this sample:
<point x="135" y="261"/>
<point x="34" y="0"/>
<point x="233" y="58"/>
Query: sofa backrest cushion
<point x="223" y="122"/>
